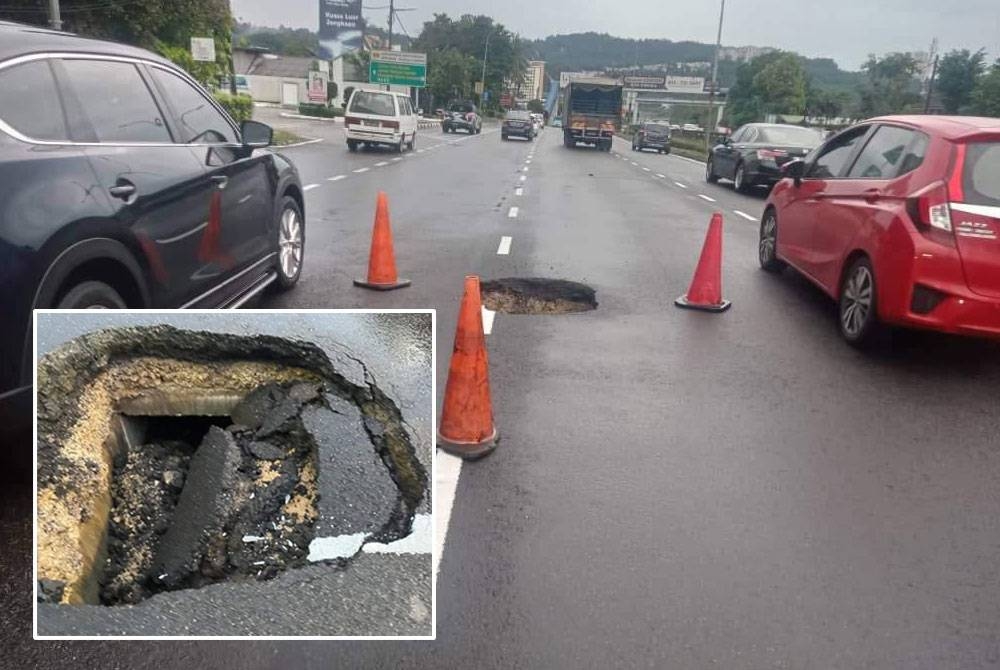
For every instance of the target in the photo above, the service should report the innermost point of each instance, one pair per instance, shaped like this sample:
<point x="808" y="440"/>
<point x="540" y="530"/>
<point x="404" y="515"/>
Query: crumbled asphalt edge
<point x="537" y="295"/>
<point x="63" y="373"/>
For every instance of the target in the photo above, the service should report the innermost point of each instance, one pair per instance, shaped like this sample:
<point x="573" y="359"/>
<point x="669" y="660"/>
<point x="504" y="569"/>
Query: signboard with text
<point x="645" y="82"/>
<point x="676" y="84"/>
<point x="317" y="86"/>
<point x="340" y="26"/>
<point x="401" y="68"/>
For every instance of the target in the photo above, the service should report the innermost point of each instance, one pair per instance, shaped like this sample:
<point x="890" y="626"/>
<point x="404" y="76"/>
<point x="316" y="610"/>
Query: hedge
<point x="239" y="106"/>
<point x="313" y="109"/>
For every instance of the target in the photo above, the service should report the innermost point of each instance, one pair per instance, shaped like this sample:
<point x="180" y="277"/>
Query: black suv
<point x="651" y="135"/>
<point x="124" y="184"/>
<point x="462" y="116"/>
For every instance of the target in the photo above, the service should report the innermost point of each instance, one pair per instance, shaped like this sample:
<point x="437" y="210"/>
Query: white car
<point x="539" y="121"/>
<point x="380" y="117"/>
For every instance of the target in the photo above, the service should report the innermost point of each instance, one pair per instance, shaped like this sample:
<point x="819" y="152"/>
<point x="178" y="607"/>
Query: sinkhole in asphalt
<point x="172" y="460"/>
<point x="537" y="295"/>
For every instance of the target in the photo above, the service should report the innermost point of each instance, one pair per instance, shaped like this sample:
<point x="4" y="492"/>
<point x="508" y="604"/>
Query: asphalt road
<point x="672" y="489"/>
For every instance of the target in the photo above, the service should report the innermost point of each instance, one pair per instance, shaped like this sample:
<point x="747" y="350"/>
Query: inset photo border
<point x="205" y="474"/>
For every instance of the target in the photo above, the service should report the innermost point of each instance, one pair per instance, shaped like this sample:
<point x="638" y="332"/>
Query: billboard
<point x="684" y="84"/>
<point x="340" y="26"/>
<point x="645" y="82"/>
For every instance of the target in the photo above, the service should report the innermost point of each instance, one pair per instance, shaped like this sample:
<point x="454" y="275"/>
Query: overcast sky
<point x="845" y="30"/>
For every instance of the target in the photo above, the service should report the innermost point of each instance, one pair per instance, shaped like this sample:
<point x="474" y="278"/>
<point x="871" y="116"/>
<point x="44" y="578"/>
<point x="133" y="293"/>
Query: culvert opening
<point x="174" y="460"/>
<point x="537" y="295"/>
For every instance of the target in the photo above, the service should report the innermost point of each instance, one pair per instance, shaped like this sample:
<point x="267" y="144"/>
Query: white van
<point x="380" y="117"/>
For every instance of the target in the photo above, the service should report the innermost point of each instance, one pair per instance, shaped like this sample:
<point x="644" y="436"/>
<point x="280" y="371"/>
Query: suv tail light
<point x="390" y="124"/>
<point x="770" y="154"/>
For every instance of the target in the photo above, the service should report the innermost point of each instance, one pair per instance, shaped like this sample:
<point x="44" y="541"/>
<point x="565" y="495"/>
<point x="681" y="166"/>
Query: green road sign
<point x="398" y="67"/>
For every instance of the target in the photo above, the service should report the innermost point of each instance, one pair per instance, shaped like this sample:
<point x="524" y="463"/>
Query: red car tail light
<point x="390" y="124"/>
<point x="929" y="208"/>
<point x="770" y="154"/>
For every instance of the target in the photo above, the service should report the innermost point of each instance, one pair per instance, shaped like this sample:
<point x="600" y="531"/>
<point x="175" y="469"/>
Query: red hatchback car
<point x="898" y="219"/>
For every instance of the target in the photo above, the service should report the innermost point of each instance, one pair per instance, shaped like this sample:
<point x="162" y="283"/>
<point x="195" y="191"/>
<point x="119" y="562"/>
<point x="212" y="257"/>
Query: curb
<point x="298" y="144"/>
<point x="292" y="115"/>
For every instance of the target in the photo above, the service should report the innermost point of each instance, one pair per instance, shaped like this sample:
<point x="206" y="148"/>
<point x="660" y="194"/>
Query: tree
<point x="825" y="103"/>
<point x="986" y="95"/>
<point x="450" y="74"/>
<point x="891" y="87"/>
<point x="956" y="78"/>
<point x="781" y="85"/>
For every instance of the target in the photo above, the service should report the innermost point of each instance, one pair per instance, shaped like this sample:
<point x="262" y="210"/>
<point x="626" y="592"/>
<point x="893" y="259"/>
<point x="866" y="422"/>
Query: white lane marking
<point x="337" y="177"/>
<point x="705" y="197"/>
<point x="518" y="191"/>
<point x="523" y="177"/>
<point x="397" y="158"/>
<point x="381" y="163"/>
<point x="525" y="168"/>
<point x="634" y="163"/>
<point x="360" y="170"/>
<point x="677" y="183"/>
<point x="420" y="151"/>
<point x="744" y="215"/>
<point x="512" y="214"/>
<point x="419" y="540"/>
<point x="309" y="187"/>
<point x="446" y="471"/>
<point x="341" y="546"/>
<point x="689" y="160"/>
<point x="645" y="169"/>
<point x="488" y="316"/>
<point x="527" y="162"/>
<point x="504" y="247"/>
<point x="661" y="176"/>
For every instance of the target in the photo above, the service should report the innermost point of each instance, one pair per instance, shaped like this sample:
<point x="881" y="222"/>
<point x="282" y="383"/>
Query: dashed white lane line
<point x="705" y="197"/>
<point x="677" y="183"/>
<point x="634" y="163"/>
<point x="512" y="214"/>
<point x="744" y="215"/>
<point x="488" y="315"/>
<point x="525" y="168"/>
<point x="661" y="176"/>
<point x="645" y="169"/>
<point x="309" y="187"/>
<point x="504" y="247"/>
<point x="381" y="163"/>
<point x="360" y="170"/>
<point x="397" y="158"/>
<point x="420" y="151"/>
<point x="518" y="191"/>
<point x="337" y="177"/>
<point x="523" y="177"/>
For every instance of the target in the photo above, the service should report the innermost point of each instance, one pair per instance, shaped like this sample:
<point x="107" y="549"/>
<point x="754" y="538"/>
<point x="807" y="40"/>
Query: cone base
<point x="470" y="451"/>
<point x="399" y="283"/>
<point x="721" y="307"/>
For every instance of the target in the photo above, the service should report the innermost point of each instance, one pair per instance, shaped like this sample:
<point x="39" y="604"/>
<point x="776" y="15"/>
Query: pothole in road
<point x="536" y="295"/>
<point x="172" y="460"/>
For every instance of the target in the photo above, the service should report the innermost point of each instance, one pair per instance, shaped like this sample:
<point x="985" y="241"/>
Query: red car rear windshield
<point x="981" y="176"/>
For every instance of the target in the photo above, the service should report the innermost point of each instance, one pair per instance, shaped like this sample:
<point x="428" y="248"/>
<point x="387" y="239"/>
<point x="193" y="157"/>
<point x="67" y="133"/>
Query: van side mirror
<point x="794" y="168"/>
<point x="256" y="134"/>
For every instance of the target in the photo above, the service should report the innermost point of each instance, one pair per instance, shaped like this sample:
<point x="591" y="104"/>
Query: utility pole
<point x="710" y="126"/>
<point x="55" y="20"/>
<point x="930" y="86"/>
<point x="392" y="17"/>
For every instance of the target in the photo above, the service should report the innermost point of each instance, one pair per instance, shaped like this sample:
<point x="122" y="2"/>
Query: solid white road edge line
<point x="504" y="247"/>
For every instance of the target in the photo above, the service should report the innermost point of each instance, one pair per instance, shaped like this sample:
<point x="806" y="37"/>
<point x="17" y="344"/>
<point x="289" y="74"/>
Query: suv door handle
<point x="221" y="180"/>
<point x="123" y="189"/>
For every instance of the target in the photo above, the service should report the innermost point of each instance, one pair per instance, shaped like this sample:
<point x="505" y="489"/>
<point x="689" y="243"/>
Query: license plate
<point x="366" y="122"/>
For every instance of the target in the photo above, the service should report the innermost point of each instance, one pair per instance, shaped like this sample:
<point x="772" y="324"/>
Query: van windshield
<point x="368" y="102"/>
<point x="981" y="178"/>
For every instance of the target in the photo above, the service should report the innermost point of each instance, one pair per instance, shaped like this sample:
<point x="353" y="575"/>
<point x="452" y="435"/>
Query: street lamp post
<point x="486" y="54"/>
<point x="710" y="126"/>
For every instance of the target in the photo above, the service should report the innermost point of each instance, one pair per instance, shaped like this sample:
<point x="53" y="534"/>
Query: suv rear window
<point x="657" y="128"/>
<point x="369" y="102"/>
<point x="981" y="177"/>
<point x="518" y="116"/>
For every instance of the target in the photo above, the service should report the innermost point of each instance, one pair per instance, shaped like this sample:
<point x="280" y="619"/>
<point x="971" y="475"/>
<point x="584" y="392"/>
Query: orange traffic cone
<point x="705" y="292"/>
<point x="467" y="428"/>
<point x="382" y="260"/>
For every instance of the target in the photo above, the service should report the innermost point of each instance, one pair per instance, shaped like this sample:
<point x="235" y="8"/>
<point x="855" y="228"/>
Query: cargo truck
<point x="592" y="111"/>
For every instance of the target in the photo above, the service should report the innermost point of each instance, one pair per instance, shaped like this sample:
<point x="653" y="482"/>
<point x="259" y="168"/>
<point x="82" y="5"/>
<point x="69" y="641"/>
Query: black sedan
<point x="124" y="184"/>
<point x="754" y="154"/>
<point x="517" y="123"/>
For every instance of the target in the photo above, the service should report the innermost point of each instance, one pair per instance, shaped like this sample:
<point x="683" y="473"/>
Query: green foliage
<point x="450" y="74"/>
<point x="957" y="74"/>
<point x="780" y="85"/>
<point x="986" y="95"/>
<point x="206" y="73"/>
<point x="315" y="109"/>
<point x="239" y="106"/>
<point x="536" y="106"/>
<point x="459" y="47"/>
<point x="891" y="86"/>
<point x="826" y="103"/>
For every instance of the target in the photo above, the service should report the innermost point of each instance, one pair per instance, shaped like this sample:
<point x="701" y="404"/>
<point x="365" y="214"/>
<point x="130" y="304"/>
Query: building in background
<point x="533" y="86"/>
